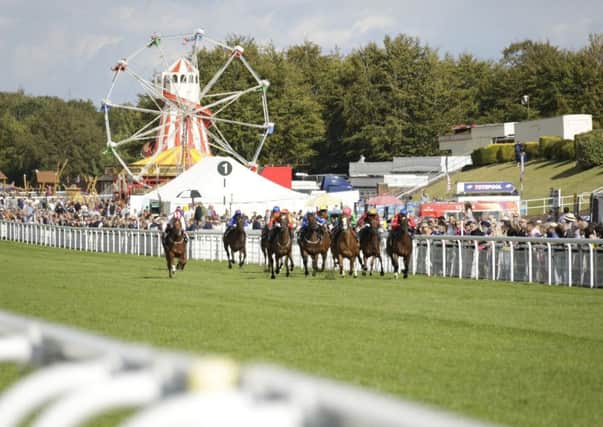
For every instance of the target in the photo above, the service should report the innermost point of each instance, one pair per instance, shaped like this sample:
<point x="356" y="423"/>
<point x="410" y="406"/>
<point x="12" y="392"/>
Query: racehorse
<point x="279" y="247"/>
<point x="314" y="241"/>
<point x="235" y="239"/>
<point x="346" y="246"/>
<point x="174" y="246"/>
<point x="399" y="244"/>
<point x="370" y="245"/>
<point x="264" y="240"/>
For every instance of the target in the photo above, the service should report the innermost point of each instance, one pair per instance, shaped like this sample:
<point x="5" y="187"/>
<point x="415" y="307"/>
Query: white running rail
<point x="572" y="262"/>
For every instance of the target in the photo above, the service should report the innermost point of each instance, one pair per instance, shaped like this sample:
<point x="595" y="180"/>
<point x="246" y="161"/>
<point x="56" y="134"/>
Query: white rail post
<point x="460" y="259"/>
<point x="569" y="264"/>
<point x="591" y="261"/>
<point x="550" y="262"/>
<point x="493" y="249"/>
<point x="512" y="261"/>
<point x="443" y="258"/>
<point x="530" y="262"/>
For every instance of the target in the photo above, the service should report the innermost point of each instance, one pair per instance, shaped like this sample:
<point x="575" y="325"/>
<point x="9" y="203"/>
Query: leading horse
<point x="370" y="245"/>
<point x="174" y="246"/>
<point x="399" y="244"/>
<point x="234" y="241"/>
<point x="314" y="241"/>
<point x="279" y="247"/>
<point x="346" y="246"/>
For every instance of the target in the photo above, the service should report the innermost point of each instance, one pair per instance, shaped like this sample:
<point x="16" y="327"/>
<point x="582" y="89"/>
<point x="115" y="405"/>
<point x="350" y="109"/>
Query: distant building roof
<point x="3" y="177"/>
<point x="46" y="177"/>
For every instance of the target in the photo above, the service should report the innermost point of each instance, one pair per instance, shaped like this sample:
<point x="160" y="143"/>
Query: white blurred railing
<point x="77" y="376"/>
<point x="572" y="262"/>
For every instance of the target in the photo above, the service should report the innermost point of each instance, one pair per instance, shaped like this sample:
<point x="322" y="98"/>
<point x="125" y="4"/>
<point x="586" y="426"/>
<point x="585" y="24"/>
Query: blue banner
<point x="488" y="187"/>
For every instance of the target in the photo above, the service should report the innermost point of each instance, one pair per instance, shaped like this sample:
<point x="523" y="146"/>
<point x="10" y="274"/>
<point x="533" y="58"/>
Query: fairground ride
<point x="181" y="115"/>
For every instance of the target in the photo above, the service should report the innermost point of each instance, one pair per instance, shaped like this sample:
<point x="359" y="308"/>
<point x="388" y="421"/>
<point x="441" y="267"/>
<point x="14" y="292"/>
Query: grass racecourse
<point x="515" y="354"/>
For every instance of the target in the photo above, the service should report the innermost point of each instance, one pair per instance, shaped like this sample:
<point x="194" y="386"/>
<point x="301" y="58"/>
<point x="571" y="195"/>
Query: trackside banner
<point x="485" y="187"/>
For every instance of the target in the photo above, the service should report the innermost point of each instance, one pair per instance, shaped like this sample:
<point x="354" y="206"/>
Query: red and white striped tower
<point x="183" y="122"/>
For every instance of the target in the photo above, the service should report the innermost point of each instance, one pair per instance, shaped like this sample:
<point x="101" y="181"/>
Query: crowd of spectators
<point x="96" y="213"/>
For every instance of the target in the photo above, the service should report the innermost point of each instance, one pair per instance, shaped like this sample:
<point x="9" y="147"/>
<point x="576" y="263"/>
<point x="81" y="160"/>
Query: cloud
<point x="374" y="22"/>
<point x="327" y="33"/>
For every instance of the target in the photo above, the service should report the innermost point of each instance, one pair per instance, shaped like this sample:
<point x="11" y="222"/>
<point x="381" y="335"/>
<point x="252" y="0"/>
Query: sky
<point x="66" y="48"/>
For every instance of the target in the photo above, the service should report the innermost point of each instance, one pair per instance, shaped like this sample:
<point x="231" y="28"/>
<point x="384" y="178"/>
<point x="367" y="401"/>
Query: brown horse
<point x="370" y="245"/>
<point x="174" y="246"/>
<point x="279" y="247"/>
<point x="235" y="239"/>
<point x="346" y="246"/>
<point x="314" y="241"/>
<point x="399" y="244"/>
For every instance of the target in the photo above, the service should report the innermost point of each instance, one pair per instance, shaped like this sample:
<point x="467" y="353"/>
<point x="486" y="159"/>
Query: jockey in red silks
<point x="411" y="221"/>
<point x="275" y="216"/>
<point x="367" y="216"/>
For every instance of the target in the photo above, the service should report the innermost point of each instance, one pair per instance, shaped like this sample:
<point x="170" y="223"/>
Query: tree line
<point x="379" y="101"/>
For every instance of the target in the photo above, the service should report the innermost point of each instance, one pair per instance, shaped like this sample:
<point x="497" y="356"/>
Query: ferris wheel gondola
<point x="182" y="116"/>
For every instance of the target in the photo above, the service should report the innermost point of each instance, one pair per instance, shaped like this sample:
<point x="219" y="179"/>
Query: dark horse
<point x="174" y="246"/>
<point x="264" y="241"/>
<point x="399" y="244"/>
<point x="234" y="241"/>
<point x="279" y="246"/>
<point x="370" y="245"/>
<point x="314" y="241"/>
<point x="346" y="246"/>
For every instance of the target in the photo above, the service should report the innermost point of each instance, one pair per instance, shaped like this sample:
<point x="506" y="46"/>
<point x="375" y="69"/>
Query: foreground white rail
<point x="85" y="375"/>
<point x="573" y="262"/>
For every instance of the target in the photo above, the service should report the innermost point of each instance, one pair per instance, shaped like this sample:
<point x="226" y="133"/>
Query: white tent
<point x="225" y="184"/>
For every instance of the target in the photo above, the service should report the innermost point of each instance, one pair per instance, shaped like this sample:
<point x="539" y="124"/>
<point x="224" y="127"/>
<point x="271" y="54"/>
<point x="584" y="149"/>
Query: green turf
<point x="516" y="354"/>
<point x="540" y="176"/>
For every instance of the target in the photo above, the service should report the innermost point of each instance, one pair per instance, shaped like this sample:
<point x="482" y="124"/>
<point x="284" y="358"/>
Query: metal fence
<point x="78" y="376"/>
<point x="573" y="262"/>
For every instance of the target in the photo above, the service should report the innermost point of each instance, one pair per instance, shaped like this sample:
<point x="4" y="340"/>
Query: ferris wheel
<point x="182" y="114"/>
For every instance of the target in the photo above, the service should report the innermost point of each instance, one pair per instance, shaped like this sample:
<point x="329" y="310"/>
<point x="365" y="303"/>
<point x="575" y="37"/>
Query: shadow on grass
<point x="569" y="172"/>
<point x="539" y="164"/>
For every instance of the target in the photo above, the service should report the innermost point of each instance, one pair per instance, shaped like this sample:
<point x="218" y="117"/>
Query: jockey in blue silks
<point x="304" y="225"/>
<point x="232" y="222"/>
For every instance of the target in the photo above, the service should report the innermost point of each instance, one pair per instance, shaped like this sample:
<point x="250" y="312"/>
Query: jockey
<point x="364" y="220"/>
<point x="232" y="222"/>
<point x="290" y="220"/>
<point x="411" y="221"/>
<point x="304" y="225"/>
<point x="335" y="215"/>
<point x="345" y="213"/>
<point x="323" y="213"/>
<point x="275" y="216"/>
<point x="178" y="215"/>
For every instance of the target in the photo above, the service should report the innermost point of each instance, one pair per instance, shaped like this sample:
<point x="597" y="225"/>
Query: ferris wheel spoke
<point x="149" y="88"/>
<point x="265" y="108"/>
<point x="233" y="97"/>
<point x="215" y="77"/>
<point x="132" y="107"/>
<point x="222" y="137"/>
<point x="150" y="134"/>
<point x="215" y="95"/>
<point x="217" y="43"/>
<point x="239" y="123"/>
<point x="142" y="130"/>
<point x="259" y="149"/>
<point x="251" y="71"/>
